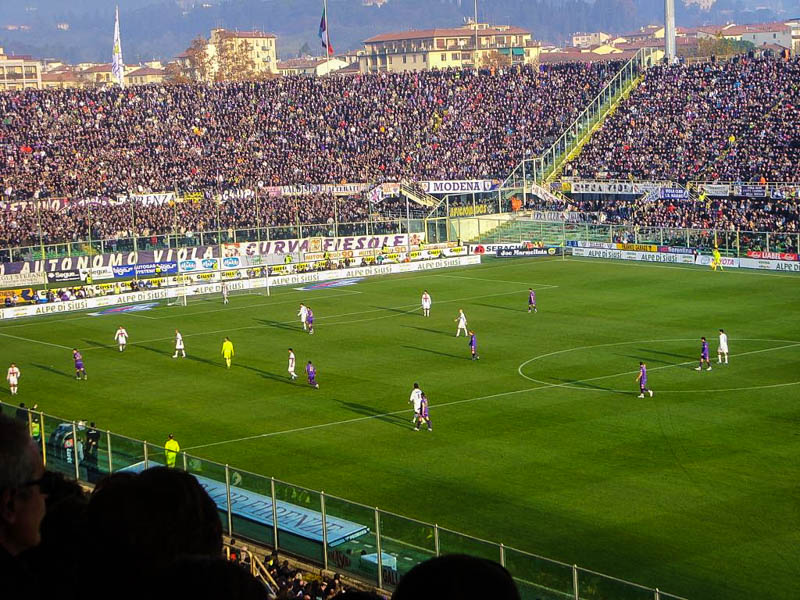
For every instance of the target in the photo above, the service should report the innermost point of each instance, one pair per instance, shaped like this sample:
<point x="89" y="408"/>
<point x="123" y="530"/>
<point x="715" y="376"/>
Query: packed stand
<point x="80" y="221"/>
<point x="726" y="121"/>
<point x="725" y="214"/>
<point x="448" y="124"/>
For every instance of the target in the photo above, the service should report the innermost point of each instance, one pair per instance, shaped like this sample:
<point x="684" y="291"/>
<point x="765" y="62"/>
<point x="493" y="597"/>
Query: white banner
<point x="98" y="274"/>
<point x="660" y="257"/>
<point x="727" y="261"/>
<point x="772" y="265"/>
<point x="614" y="187"/>
<point x="716" y="189"/>
<point x="22" y="279"/>
<point x="245" y="284"/>
<point x="459" y="186"/>
<point x="150" y="199"/>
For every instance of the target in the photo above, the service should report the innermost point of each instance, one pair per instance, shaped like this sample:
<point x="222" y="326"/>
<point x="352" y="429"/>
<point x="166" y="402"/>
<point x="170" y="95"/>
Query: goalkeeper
<point x="227" y="351"/>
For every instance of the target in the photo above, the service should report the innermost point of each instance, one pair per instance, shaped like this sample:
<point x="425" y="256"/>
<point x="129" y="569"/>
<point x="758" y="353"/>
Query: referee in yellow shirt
<point x="227" y="351"/>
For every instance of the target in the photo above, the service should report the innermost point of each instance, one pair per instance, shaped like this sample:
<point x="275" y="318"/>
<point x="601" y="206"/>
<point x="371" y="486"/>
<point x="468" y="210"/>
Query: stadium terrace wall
<point x="317" y="527"/>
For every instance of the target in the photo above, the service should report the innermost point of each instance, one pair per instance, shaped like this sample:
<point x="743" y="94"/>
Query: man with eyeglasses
<point x="22" y="503"/>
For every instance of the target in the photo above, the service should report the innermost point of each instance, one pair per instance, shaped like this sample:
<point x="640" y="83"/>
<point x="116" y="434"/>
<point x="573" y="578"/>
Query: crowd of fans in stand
<point x="726" y="121"/>
<point x="120" y="221"/>
<point x="448" y="124"/>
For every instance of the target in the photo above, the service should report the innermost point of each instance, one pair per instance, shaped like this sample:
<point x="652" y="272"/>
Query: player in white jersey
<point x="179" y="345"/>
<point x="13" y="378"/>
<point x="121" y="338"/>
<point x="426" y="304"/>
<point x="224" y="289"/>
<point x="461" y="319"/>
<point x="723" y="347"/>
<point x="416" y="400"/>
<point x="303" y="314"/>
<point x="292" y="364"/>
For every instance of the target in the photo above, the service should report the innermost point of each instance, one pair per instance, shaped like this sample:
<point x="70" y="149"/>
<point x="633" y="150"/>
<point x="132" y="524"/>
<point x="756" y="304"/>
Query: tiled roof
<point x="144" y="71"/>
<point x="415" y="34"/>
<point x="245" y="34"/>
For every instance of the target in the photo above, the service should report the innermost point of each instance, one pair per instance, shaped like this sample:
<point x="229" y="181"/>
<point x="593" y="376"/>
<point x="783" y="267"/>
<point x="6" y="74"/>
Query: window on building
<point x="405" y="59"/>
<point x="454" y="56"/>
<point x="444" y="56"/>
<point x="440" y="43"/>
<point x="30" y="72"/>
<point x="413" y="58"/>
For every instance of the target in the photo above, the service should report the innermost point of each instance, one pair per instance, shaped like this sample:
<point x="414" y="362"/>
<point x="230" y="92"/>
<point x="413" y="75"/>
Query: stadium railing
<point x="366" y="543"/>
<point x="544" y="226"/>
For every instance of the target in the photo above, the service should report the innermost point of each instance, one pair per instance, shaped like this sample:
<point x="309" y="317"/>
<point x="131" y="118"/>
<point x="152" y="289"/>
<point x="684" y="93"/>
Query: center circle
<point x="575" y="386"/>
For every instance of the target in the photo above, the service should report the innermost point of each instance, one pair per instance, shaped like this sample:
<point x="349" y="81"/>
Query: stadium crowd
<point x="119" y="221"/>
<point x="726" y="121"/>
<point x="448" y="124"/>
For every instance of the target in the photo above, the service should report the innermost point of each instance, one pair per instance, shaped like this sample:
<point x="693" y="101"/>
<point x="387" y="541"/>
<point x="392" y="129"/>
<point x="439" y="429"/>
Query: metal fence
<point x="386" y="546"/>
<point x="525" y="227"/>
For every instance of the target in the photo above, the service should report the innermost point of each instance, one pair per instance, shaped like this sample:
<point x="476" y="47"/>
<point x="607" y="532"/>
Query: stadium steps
<point x="551" y="161"/>
<point x="578" y="148"/>
<point x="418" y="196"/>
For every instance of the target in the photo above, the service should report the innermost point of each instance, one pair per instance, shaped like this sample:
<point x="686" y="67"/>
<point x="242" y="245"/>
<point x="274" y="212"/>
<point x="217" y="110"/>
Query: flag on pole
<point x="323" y="33"/>
<point x="117" y="66"/>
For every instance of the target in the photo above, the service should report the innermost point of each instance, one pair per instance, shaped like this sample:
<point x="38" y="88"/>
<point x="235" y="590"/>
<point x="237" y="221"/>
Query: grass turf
<point x="542" y="444"/>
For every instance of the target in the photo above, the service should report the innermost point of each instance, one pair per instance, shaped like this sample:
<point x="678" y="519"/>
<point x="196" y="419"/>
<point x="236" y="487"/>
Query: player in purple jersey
<point x="423" y="415"/>
<point x="532" y="300"/>
<point x="642" y="379"/>
<point x="473" y="345"/>
<point x="312" y="375"/>
<point x="703" y="356"/>
<point x="80" y="370"/>
<point x="310" y="320"/>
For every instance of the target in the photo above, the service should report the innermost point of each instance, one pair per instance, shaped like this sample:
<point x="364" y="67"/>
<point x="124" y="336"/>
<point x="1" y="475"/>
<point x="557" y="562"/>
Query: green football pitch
<point x="542" y="444"/>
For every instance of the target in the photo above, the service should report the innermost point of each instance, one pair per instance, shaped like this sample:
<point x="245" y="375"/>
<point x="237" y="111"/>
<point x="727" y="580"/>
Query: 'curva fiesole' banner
<point x="242" y="249"/>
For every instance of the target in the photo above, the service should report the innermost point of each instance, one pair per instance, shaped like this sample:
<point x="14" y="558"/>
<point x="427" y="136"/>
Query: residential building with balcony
<point x="419" y="50"/>
<point x="19" y="72"/>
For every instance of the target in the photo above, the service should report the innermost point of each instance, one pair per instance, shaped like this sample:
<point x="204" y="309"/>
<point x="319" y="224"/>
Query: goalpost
<point x="208" y="285"/>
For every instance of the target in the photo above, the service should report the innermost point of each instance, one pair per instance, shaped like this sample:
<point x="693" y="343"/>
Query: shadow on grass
<point x="516" y="310"/>
<point x="396" y="310"/>
<point x="53" y="370"/>
<point x="274" y="376"/>
<point x="371" y="411"/>
<point x="98" y="345"/>
<point x="583" y="384"/>
<point x="644" y="357"/>
<point x="439" y="331"/>
<point x="683" y="356"/>
<point x="439" y="353"/>
<point x="278" y="325"/>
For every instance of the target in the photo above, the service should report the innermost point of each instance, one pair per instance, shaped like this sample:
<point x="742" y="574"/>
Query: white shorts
<point x="426" y="305"/>
<point x="178" y="346"/>
<point x="12" y="381"/>
<point x="723" y="349"/>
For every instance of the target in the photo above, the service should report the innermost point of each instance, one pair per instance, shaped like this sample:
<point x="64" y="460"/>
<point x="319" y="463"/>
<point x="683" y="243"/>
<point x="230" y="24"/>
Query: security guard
<point x="171" y="449"/>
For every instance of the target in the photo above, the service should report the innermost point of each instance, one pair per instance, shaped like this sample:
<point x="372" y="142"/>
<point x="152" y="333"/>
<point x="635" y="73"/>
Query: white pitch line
<point x="24" y="339"/>
<point x="456" y="402"/>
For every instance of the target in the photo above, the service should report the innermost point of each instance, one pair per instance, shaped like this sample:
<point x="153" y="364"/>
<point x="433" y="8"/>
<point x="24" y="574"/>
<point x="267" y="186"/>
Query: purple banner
<point x="115" y="259"/>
